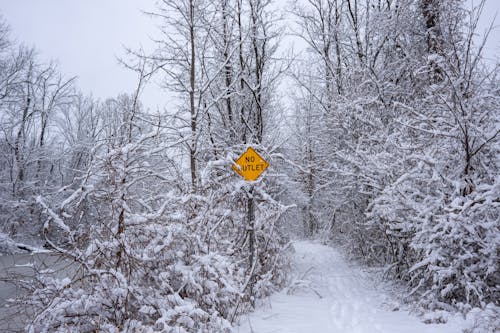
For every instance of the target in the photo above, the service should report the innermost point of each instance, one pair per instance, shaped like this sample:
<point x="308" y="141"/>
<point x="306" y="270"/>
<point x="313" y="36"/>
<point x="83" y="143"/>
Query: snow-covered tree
<point x="406" y="139"/>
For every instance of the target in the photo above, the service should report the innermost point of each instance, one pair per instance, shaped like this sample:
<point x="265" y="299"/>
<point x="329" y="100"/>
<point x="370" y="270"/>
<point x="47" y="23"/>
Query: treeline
<point x="143" y="203"/>
<point x="397" y="121"/>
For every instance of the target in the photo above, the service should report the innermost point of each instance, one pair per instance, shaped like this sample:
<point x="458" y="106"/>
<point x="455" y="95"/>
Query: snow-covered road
<point x="330" y="296"/>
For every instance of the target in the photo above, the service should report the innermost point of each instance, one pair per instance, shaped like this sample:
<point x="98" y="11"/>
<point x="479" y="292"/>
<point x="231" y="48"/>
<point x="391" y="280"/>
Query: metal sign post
<point x="250" y="165"/>
<point x="251" y="242"/>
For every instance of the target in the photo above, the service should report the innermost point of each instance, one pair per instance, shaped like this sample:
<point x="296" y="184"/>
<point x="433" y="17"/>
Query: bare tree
<point x="180" y="55"/>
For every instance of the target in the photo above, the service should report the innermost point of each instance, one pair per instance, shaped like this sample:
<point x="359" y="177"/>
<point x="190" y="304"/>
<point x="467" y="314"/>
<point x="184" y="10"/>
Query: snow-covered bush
<point x="269" y="269"/>
<point x="146" y="254"/>
<point x="459" y="252"/>
<point x="400" y="211"/>
<point x="161" y="285"/>
<point x="486" y="320"/>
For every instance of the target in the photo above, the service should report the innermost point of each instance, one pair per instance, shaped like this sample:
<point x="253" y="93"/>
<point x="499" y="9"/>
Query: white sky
<point x="86" y="36"/>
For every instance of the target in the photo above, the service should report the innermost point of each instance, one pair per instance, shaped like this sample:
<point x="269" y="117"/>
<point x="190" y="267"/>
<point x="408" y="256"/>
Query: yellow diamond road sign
<point x="250" y="165"/>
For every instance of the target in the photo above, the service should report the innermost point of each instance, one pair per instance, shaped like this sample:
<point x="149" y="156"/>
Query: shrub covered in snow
<point x="458" y="251"/>
<point x="154" y="257"/>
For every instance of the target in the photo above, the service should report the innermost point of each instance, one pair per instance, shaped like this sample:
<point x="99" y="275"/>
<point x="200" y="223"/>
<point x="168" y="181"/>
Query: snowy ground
<point x="330" y="296"/>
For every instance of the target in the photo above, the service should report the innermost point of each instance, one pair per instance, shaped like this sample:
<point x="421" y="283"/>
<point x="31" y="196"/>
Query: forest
<point x="388" y="148"/>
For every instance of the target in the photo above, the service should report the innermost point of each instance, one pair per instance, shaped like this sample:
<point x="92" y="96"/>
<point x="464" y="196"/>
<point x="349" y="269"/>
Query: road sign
<point x="250" y="165"/>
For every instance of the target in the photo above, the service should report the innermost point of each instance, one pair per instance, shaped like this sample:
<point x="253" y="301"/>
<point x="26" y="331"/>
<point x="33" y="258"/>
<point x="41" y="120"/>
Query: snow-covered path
<point x="332" y="297"/>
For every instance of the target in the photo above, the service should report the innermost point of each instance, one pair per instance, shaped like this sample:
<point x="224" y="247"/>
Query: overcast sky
<point x="86" y="36"/>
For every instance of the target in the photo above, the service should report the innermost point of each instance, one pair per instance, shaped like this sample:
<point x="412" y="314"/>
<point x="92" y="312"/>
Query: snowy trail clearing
<point x="332" y="297"/>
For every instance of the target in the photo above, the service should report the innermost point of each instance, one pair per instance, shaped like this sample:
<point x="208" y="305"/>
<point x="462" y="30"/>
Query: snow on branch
<point x="53" y="216"/>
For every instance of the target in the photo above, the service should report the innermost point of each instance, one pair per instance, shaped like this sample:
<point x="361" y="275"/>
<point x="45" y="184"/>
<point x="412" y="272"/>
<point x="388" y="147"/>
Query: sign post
<point x="251" y="244"/>
<point x="250" y="165"/>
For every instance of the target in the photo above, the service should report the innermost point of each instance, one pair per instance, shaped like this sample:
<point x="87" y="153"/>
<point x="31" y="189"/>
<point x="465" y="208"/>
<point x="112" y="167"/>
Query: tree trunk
<point x="192" y="108"/>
